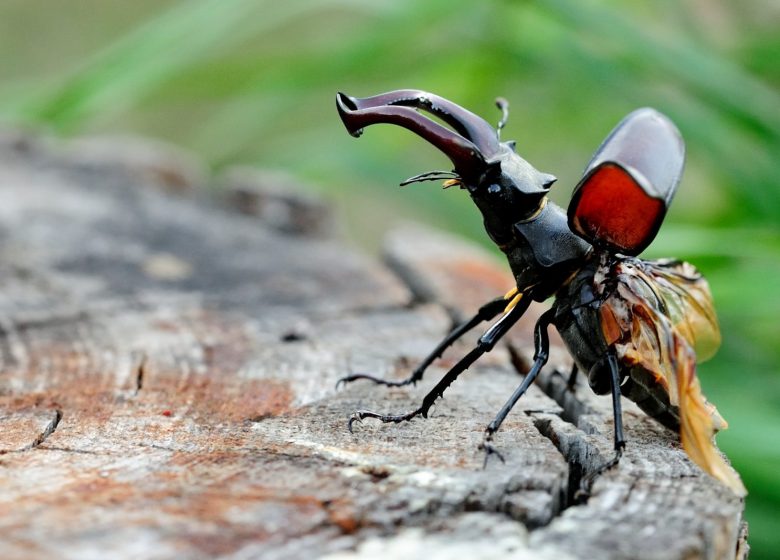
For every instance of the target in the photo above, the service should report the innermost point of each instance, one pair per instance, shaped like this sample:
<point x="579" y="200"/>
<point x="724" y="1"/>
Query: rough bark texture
<point x="168" y="372"/>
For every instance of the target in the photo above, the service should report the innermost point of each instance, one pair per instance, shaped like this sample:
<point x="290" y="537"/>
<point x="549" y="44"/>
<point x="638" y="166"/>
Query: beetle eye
<point x="494" y="188"/>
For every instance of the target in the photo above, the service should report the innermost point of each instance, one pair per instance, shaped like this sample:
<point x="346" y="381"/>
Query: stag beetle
<point x="634" y="326"/>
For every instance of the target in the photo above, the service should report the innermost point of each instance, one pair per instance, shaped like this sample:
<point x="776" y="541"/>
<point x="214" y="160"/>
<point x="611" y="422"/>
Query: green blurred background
<point x="253" y="82"/>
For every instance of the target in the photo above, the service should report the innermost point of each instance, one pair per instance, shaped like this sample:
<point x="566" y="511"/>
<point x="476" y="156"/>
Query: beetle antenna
<point x="431" y="176"/>
<point x="503" y="106"/>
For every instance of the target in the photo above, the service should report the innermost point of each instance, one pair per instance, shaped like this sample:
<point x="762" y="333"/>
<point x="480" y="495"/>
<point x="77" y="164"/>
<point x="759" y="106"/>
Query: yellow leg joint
<point x="513" y="303"/>
<point x="511" y="293"/>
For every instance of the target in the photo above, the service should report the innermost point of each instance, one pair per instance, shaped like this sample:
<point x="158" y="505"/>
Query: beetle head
<point x="506" y="188"/>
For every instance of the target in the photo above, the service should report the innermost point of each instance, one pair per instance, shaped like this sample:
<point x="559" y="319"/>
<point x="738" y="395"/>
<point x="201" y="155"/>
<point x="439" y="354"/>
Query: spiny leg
<point x="617" y="412"/>
<point x="485" y="344"/>
<point x="541" y="354"/>
<point x="485" y="313"/>
<point x="429" y="399"/>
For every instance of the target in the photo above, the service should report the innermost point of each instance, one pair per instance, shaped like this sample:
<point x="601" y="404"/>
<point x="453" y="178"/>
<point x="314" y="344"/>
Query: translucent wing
<point x="685" y="299"/>
<point x="658" y="317"/>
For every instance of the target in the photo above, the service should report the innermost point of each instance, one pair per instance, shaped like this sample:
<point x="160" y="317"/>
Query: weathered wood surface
<point x="168" y="387"/>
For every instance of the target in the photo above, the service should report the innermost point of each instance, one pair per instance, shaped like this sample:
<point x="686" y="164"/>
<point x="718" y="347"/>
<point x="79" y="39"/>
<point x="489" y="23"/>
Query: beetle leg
<point x="617" y="411"/>
<point x="572" y="382"/>
<point x="485" y="313"/>
<point x="485" y="344"/>
<point x="541" y="353"/>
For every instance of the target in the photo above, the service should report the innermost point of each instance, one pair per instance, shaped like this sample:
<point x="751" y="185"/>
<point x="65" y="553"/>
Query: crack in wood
<point x="574" y="454"/>
<point x="419" y="291"/>
<point x="583" y="458"/>
<point x="70" y="450"/>
<point x="49" y="430"/>
<point x="139" y="373"/>
<point x="518" y="359"/>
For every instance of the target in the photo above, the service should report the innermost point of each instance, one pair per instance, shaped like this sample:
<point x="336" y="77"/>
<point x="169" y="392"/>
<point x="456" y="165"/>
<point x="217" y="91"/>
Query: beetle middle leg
<point x="485" y="313"/>
<point x="485" y="344"/>
<point x="541" y="354"/>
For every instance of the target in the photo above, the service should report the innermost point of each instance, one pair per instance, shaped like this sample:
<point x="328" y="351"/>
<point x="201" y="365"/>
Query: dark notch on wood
<point x="139" y="374"/>
<point x="49" y="430"/>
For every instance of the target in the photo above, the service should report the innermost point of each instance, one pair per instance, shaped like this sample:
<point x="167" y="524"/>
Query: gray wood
<point x="167" y="386"/>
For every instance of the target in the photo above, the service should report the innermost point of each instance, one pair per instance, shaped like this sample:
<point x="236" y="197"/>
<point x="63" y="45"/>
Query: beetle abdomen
<point x="640" y="387"/>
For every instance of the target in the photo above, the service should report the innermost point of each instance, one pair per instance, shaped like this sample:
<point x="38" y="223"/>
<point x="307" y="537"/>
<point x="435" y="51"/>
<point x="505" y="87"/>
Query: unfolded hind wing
<point x="658" y="317"/>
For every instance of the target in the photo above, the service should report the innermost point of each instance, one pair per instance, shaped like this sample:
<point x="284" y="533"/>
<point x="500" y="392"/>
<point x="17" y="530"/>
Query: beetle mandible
<point x="633" y="326"/>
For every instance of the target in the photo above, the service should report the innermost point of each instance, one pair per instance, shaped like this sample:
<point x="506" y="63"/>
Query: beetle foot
<point x="378" y="380"/>
<point x="386" y="418"/>
<point x="587" y="481"/>
<point x="489" y="449"/>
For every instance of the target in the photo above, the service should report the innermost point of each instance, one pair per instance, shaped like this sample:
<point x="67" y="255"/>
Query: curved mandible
<point x="472" y="127"/>
<point x="464" y="154"/>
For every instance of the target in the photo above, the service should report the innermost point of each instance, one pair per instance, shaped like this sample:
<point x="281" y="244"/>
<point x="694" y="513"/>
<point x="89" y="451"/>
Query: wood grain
<point x="167" y="387"/>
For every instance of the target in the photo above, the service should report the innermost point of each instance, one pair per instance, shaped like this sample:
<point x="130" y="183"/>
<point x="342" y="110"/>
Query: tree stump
<point x="169" y="362"/>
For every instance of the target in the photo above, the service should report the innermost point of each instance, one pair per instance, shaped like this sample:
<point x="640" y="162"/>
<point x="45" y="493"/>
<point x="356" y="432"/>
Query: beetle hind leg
<point x="619" y="440"/>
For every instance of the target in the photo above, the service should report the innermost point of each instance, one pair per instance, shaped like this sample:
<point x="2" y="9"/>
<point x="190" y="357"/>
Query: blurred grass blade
<point x="118" y="77"/>
<point x="713" y="77"/>
<point x="737" y="242"/>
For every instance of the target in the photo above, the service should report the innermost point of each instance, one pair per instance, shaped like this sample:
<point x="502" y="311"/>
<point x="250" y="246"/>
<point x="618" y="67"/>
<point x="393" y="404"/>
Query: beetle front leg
<point x="485" y="313"/>
<point x="485" y="344"/>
